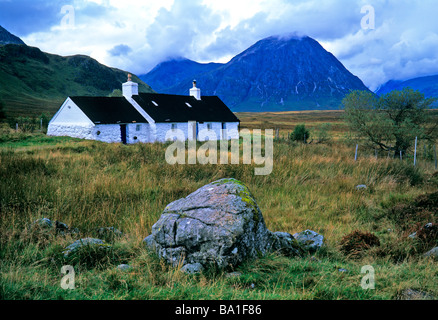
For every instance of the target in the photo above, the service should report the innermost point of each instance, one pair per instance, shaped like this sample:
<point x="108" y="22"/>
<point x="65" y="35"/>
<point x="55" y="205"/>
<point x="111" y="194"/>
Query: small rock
<point x="425" y="227"/>
<point x="233" y="274"/>
<point x="91" y="242"/>
<point x="412" y="294"/>
<point x="252" y="285"/>
<point x="413" y="235"/>
<point x="309" y="240"/>
<point x="123" y="267"/>
<point x="361" y="187"/>
<point x="109" y="233"/>
<point x="314" y="259"/>
<point x="74" y="231"/>
<point x="432" y="253"/>
<point x="192" y="268"/>
<point x="342" y="270"/>
<point x="287" y="245"/>
<point x="44" y="223"/>
<point x="61" y="228"/>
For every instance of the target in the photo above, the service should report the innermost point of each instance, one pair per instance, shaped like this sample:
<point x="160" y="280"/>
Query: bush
<point x="300" y="133"/>
<point x="356" y="242"/>
<point x="323" y="135"/>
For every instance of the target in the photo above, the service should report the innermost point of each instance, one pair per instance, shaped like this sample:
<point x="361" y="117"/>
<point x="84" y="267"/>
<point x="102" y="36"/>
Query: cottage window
<point x="209" y="126"/>
<point x="174" y="126"/>
<point x="138" y="127"/>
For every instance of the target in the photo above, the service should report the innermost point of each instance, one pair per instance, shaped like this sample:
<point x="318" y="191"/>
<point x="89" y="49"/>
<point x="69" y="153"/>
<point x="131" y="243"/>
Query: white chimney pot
<point x="195" y="92"/>
<point x="129" y="88"/>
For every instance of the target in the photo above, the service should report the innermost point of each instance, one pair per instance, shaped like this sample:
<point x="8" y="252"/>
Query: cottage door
<point x="123" y="133"/>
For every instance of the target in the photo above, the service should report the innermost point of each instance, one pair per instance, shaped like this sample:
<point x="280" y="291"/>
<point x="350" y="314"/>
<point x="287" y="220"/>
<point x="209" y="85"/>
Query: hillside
<point x="32" y="81"/>
<point x="275" y="74"/>
<point x="427" y="85"/>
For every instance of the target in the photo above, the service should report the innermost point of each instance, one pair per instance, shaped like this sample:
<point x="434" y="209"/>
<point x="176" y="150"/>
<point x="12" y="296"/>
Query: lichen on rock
<point x="219" y="224"/>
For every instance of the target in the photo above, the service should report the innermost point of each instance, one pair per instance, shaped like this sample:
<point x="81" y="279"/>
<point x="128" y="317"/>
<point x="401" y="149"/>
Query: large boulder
<point x="219" y="224"/>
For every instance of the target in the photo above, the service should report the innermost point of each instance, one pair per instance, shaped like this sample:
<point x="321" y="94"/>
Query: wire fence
<point x="422" y="152"/>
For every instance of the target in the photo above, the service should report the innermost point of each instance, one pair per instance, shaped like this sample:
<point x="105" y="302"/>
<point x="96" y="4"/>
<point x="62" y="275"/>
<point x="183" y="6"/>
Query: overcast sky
<point x="135" y="35"/>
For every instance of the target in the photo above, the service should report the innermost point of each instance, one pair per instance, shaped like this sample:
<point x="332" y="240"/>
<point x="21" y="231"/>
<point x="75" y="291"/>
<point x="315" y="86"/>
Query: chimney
<point x="195" y="92"/>
<point x="130" y="88"/>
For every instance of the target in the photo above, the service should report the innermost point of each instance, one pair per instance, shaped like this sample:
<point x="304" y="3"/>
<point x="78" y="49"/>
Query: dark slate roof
<point x="106" y="110"/>
<point x="167" y="108"/>
<point x="173" y="108"/>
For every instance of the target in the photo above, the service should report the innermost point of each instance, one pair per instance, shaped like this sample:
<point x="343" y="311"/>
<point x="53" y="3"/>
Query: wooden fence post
<point x="355" y="155"/>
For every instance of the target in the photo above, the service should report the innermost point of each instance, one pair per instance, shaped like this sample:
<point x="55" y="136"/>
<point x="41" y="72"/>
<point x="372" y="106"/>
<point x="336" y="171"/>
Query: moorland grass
<point x="89" y="184"/>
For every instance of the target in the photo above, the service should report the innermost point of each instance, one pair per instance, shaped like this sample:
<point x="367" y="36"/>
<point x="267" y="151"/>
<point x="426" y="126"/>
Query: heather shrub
<point x="355" y="243"/>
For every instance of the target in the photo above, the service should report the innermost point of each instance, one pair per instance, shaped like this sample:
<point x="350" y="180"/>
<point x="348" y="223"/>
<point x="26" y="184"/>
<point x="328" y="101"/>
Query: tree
<point x="116" y="93"/>
<point x="300" y="133"/>
<point x="392" y="121"/>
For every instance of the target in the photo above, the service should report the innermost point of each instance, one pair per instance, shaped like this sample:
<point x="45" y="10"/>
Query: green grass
<point x="88" y="184"/>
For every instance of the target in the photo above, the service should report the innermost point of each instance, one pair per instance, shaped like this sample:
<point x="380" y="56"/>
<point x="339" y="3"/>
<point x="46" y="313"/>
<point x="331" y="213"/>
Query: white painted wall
<point x="232" y="130"/>
<point x="70" y="113"/>
<point x="215" y="133"/>
<point x="71" y="121"/>
<point x="108" y="133"/>
<point x="143" y="135"/>
<point x="71" y="130"/>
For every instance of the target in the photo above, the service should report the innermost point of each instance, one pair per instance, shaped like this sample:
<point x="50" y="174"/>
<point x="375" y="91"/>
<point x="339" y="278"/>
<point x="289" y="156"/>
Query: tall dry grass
<point x="88" y="185"/>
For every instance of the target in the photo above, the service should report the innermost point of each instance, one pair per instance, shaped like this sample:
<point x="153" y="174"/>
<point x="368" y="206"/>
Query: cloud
<point x="120" y="50"/>
<point x="136" y="35"/>
<point x="403" y="45"/>
<point x="24" y="17"/>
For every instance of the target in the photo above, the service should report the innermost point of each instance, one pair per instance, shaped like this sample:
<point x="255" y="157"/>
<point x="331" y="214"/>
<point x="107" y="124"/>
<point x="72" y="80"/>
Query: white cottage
<point x="144" y="117"/>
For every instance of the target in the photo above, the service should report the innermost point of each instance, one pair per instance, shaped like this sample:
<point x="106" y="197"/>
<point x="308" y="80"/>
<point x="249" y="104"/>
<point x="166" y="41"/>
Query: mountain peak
<point x="278" y="73"/>
<point x="287" y="37"/>
<point x="8" y="38"/>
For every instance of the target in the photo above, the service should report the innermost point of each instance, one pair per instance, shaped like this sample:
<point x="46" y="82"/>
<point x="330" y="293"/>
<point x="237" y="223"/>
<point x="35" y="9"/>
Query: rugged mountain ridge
<point x="427" y="85"/>
<point x="33" y="82"/>
<point x="8" y="38"/>
<point x="275" y="74"/>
